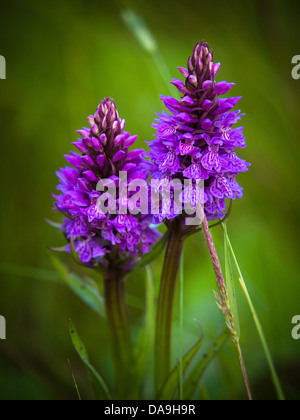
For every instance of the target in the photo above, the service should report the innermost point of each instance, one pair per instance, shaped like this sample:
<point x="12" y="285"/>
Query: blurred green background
<point x="62" y="58"/>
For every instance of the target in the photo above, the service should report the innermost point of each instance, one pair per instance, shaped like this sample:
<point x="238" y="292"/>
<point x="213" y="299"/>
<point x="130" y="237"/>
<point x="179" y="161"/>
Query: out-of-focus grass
<point x="62" y="58"/>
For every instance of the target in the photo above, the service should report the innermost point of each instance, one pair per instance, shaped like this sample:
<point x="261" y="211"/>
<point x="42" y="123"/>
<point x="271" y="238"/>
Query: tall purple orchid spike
<point x="104" y="152"/>
<point x="197" y="140"/>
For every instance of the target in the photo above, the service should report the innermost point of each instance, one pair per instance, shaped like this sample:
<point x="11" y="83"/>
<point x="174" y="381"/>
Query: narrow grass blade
<point x="100" y="389"/>
<point x="138" y="27"/>
<point x="192" y="381"/>
<point x="171" y="385"/>
<point x="145" y="37"/>
<point x="259" y="328"/>
<point x="74" y="380"/>
<point x="223" y="300"/>
<point x="229" y="281"/>
<point x="85" y="289"/>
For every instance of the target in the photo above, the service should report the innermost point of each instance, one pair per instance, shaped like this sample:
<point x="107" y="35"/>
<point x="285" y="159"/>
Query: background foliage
<point x="62" y="58"/>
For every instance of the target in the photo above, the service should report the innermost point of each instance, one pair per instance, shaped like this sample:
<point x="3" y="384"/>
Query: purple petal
<point x="119" y="140"/>
<point x="98" y="251"/>
<point x="128" y="166"/>
<point x="88" y="141"/>
<point x="195" y="171"/>
<point x="193" y="80"/>
<point x="84" y="132"/>
<point x="100" y="159"/>
<point x="222" y="88"/>
<point x="183" y="71"/>
<point x="90" y="176"/>
<point x="166" y="130"/>
<point x="119" y="156"/>
<point x="186" y="148"/>
<point x="134" y="154"/>
<point x="80" y="146"/>
<point x="84" y="251"/>
<point x="95" y="212"/>
<point x="207" y="84"/>
<point x="216" y="69"/>
<point x="97" y="146"/>
<point x="74" y="159"/>
<point x="79" y="198"/>
<point x="87" y="160"/>
<point x="187" y="100"/>
<point x="95" y="129"/>
<point x="207" y="104"/>
<point x="211" y="160"/>
<point x="84" y="184"/>
<point x="220" y="188"/>
<point x="179" y="84"/>
<point x="103" y="139"/>
<point x="130" y="141"/>
<point x="186" y="118"/>
<point x="206" y="124"/>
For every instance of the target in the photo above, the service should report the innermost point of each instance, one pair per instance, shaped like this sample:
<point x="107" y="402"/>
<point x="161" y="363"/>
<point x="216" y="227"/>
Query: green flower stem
<point x="162" y="351"/>
<point x="114" y="291"/>
<point x="181" y="304"/>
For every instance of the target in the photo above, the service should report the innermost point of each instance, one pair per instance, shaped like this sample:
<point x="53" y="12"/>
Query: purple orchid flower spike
<point x="197" y="140"/>
<point x="195" y="144"/>
<point x="93" y="223"/>
<point x="109" y="227"/>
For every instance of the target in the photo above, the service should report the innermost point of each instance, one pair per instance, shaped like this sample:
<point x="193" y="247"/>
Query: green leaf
<point x="100" y="389"/>
<point x="85" y="289"/>
<point x="31" y="272"/>
<point x="229" y="281"/>
<point x="170" y="387"/>
<point x="154" y="253"/>
<point x="259" y="328"/>
<point x="193" y="379"/>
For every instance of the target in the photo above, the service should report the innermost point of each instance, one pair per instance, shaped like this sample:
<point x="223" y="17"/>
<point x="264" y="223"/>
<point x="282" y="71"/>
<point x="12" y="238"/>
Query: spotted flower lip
<point x="197" y="140"/>
<point x="103" y="153"/>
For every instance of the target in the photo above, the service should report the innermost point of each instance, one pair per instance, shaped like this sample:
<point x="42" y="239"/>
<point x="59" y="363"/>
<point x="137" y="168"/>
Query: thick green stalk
<point x="114" y="290"/>
<point x="181" y="304"/>
<point x="165" y="305"/>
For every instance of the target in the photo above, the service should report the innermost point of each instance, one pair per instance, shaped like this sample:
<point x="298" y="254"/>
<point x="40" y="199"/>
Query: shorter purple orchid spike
<point x="93" y="221"/>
